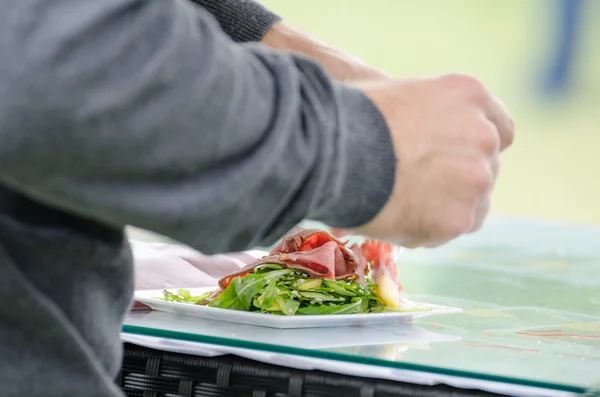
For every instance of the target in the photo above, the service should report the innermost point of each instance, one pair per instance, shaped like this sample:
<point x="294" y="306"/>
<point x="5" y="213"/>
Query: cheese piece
<point x="388" y="291"/>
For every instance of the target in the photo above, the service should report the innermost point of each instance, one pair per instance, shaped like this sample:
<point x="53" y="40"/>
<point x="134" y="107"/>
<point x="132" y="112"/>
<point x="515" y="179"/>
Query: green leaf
<point x="358" y="305"/>
<point x="268" y="295"/>
<point x="169" y="296"/>
<point x="184" y="296"/>
<point x="248" y="286"/>
<point x="319" y="296"/>
<point x="265" y="268"/>
<point x="288" y="306"/>
<point x="200" y="298"/>
<point x="340" y="287"/>
<point x="276" y="290"/>
<point x="241" y="292"/>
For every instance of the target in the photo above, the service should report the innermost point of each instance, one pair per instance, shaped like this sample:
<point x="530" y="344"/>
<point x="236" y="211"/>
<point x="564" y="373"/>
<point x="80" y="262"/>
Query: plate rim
<point x="144" y="296"/>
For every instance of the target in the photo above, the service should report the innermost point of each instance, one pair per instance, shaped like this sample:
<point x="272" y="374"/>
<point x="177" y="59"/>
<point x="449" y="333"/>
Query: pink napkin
<point x="159" y="266"/>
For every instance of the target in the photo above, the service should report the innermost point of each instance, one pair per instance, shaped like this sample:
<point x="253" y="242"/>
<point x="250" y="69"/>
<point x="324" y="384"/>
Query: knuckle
<point x="510" y="133"/>
<point x="509" y="122"/>
<point x="481" y="178"/>
<point x="487" y="138"/>
<point x="466" y="83"/>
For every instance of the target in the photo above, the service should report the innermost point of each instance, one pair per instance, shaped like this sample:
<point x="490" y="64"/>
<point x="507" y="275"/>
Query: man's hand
<point x="339" y="65"/>
<point x="447" y="132"/>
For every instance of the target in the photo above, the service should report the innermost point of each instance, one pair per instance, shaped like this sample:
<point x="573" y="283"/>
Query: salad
<point x="310" y="272"/>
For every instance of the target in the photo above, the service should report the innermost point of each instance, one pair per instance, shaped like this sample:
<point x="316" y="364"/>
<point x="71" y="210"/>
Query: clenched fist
<point x="447" y="132"/>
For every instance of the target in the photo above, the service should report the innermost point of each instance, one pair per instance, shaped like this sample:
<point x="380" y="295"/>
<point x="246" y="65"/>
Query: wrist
<point x="339" y="65"/>
<point x="283" y="37"/>
<point x="360" y="183"/>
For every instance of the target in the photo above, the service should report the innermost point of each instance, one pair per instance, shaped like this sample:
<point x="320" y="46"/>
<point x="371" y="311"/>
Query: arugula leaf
<point x="265" y="268"/>
<point x="288" y="306"/>
<point x="200" y="298"/>
<point x="340" y="287"/>
<point x="319" y="296"/>
<point x="184" y="296"/>
<point x="169" y="296"/>
<point x="268" y="296"/>
<point x="358" y="305"/>
<point x="270" y="288"/>
<point x="240" y="293"/>
<point x="249" y="285"/>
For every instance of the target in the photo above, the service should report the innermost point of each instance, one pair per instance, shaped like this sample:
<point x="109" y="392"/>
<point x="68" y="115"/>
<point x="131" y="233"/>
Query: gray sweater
<point x="144" y="113"/>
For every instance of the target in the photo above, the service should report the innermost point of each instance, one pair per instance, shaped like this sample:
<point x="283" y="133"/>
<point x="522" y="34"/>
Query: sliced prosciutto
<point x="314" y="252"/>
<point x="308" y="239"/>
<point x="320" y="255"/>
<point x="326" y="261"/>
<point x="303" y="240"/>
<point x="380" y="254"/>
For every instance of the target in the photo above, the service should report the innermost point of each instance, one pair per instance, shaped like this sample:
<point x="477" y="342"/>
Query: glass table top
<point x="530" y="292"/>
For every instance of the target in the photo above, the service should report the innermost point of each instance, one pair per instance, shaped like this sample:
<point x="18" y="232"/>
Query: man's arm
<point x="243" y="20"/>
<point x="338" y="64"/>
<point x="143" y="112"/>
<point x="248" y="20"/>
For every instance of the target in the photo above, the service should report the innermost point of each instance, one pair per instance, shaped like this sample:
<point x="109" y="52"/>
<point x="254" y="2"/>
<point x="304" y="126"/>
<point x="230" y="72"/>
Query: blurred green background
<point x="551" y="171"/>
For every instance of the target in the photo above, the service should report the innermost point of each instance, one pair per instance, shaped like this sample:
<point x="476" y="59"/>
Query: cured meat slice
<point x="326" y="261"/>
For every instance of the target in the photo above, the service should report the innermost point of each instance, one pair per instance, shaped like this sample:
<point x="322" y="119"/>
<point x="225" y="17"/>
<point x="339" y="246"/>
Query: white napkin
<point x="160" y="265"/>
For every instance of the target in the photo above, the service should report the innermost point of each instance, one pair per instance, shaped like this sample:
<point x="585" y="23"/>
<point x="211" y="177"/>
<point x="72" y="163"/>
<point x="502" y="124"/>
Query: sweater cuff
<point x="362" y="178"/>
<point x="242" y="20"/>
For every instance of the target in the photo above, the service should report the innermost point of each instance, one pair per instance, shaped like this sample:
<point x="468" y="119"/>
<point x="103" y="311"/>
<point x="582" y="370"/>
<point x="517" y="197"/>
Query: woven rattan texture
<point x="152" y="373"/>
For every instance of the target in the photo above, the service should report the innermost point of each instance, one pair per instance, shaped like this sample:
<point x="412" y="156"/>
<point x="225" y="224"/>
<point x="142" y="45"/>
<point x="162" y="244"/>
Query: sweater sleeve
<point x="242" y="20"/>
<point x="143" y="113"/>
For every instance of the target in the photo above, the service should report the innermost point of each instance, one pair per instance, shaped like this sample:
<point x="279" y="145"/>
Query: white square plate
<point x="280" y="321"/>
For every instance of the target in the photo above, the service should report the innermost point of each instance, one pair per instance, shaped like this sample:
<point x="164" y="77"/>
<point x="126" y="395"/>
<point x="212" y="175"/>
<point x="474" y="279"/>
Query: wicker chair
<point x="152" y="373"/>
